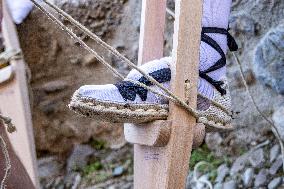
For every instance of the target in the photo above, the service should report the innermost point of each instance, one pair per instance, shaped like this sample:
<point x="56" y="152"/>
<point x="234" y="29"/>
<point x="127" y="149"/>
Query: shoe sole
<point x="131" y="113"/>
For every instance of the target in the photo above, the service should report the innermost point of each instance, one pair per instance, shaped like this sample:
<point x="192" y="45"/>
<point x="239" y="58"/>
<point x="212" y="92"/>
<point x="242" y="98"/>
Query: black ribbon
<point x="129" y="90"/>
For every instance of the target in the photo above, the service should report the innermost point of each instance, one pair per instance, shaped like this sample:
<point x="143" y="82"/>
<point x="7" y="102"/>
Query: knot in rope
<point x="8" y="123"/>
<point x="8" y="55"/>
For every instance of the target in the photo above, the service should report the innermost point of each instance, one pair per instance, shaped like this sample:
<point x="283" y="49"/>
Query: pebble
<point x="274" y="152"/>
<point x="222" y="172"/>
<point x="256" y="158"/>
<point x="118" y="171"/>
<point x="218" y="186"/>
<point x="261" y="178"/>
<point x="89" y="60"/>
<point x="213" y="141"/>
<point x="230" y="185"/>
<point x="278" y="120"/>
<point x="54" y="86"/>
<point x="275" y="183"/>
<point x="79" y="157"/>
<point x="49" y="167"/>
<point x="238" y="165"/>
<point x="72" y="180"/>
<point x="248" y="177"/>
<point x="268" y="59"/>
<point x="275" y="166"/>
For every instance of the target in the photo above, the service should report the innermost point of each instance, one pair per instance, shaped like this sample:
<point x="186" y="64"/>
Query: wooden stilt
<point x="14" y="102"/>
<point x="167" y="167"/>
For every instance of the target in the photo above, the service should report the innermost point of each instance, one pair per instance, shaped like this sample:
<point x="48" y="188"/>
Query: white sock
<point x="215" y="14"/>
<point x="19" y="9"/>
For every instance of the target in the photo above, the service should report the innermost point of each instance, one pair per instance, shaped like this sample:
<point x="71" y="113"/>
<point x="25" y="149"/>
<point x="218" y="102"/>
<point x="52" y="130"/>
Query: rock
<point x="269" y="59"/>
<point x="72" y="180"/>
<point x="49" y="167"/>
<point x="222" y="172"/>
<point x="275" y="183"/>
<point x="274" y="152"/>
<point x="55" y="86"/>
<point x="256" y="158"/>
<point x="249" y="77"/>
<point x="89" y="60"/>
<point x="275" y="166"/>
<point x="248" y="177"/>
<point x="218" y="186"/>
<point x="50" y="106"/>
<point x="230" y="185"/>
<point x="261" y="178"/>
<point x="203" y="179"/>
<point x="189" y="180"/>
<point x="213" y="140"/>
<point x="239" y="165"/>
<point x="79" y="157"/>
<point x="118" y="171"/>
<point x="278" y="118"/>
<point x="243" y="24"/>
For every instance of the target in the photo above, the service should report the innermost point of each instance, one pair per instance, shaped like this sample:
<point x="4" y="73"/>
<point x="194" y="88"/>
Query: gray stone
<point x="269" y="59"/>
<point x="218" y="186"/>
<point x="261" y="178"/>
<point x="275" y="166"/>
<point x="213" y="141"/>
<point x="79" y="157"/>
<point x="222" y="172"/>
<point x="256" y="158"/>
<point x="89" y="60"/>
<point x="239" y="164"/>
<point x="274" y="152"/>
<point x="278" y="119"/>
<point x="275" y="183"/>
<point x="242" y="24"/>
<point x="248" y="177"/>
<point x="230" y="185"/>
<point x="55" y="86"/>
<point x="49" y="167"/>
<point x="72" y="180"/>
<point x="203" y="179"/>
<point x="118" y="171"/>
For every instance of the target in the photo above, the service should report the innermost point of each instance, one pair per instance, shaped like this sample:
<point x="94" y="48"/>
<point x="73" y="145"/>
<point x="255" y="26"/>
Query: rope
<point x="270" y="122"/>
<point x="8" y="123"/>
<point x="8" y="55"/>
<point x="7" y="162"/>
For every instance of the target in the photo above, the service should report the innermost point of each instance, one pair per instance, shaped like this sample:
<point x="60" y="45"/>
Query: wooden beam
<point x="14" y="102"/>
<point x="167" y="167"/>
<point x="151" y="43"/>
<point x="155" y="134"/>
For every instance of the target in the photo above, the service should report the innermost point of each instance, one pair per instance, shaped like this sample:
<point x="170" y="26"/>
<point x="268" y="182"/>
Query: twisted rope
<point x="8" y="123"/>
<point x="8" y="55"/>
<point x="7" y="163"/>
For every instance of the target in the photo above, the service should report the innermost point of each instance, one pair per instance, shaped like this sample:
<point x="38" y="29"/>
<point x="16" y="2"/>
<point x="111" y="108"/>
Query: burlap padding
<point x="213" y="118"/>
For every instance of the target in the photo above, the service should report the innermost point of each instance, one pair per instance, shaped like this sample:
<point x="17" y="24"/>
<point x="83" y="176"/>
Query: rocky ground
<point x="74" y="152"/>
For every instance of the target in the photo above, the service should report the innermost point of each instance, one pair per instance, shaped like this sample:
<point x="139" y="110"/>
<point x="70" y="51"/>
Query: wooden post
<point x="14" y="102"/>
<point x="167" y="167"/>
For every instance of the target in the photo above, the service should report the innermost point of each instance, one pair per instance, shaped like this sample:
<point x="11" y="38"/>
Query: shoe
<point x="126" y="102"/>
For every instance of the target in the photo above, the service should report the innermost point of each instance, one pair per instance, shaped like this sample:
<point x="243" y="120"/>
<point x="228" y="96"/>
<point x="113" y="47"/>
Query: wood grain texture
<point x="14" y="102"/>
<point x="167" y="167"/>
<point x="155" y="134"/>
